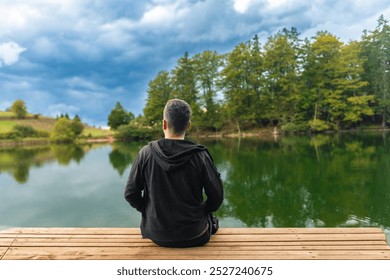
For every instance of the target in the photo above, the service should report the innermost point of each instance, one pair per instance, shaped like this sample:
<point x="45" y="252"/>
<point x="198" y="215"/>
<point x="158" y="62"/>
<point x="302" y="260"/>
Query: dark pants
<point x="198" y="241"/>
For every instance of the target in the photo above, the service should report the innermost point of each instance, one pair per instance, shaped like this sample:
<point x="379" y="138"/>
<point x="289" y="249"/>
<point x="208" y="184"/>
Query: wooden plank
<point x="222" y="231"/>
<point x="229" y="243"/>
<point x="229" y="246"/>
<point x="84" y="231"/>
<point x="21" y="241"/>
<point x="6" y="242"/>
<point x="150" y="250"/>
<point x="297" y="237"/>
<point x="236" y="237"/>
<point x="141" y="253"/>
<point x="296" y="230"/>
<point x="2" y="252"/>
<point x="257" y="247"/>
<point x="105" y="236"/>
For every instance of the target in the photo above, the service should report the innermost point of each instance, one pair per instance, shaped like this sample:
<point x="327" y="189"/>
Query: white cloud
<point x="15" y="16"/>
<point x="275" y="4"/>
<point x="163" y="16"/>
<point x="242" y="6"/>
<point x="44" y="47"/>
<point x="117" y="34"/>
<point x="10" y="52"/>
<point x="79" y="82"/>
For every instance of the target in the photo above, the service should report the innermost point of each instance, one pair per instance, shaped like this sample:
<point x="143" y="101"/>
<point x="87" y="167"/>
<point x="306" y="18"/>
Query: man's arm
<point x="135" y="185"/>
<point x="212" y="185"/>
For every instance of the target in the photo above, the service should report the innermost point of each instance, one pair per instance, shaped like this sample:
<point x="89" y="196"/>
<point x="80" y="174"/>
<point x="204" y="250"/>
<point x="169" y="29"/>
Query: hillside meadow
<point x="41" y="123"/>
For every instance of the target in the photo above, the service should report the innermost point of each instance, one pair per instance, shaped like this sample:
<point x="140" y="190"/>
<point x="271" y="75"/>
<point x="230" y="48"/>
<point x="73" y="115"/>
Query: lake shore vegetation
<point x="34" y="129"/>
<point x="289" y="84"/>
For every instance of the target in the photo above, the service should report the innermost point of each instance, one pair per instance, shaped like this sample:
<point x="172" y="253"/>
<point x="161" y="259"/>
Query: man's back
<point x="173" y="174"/>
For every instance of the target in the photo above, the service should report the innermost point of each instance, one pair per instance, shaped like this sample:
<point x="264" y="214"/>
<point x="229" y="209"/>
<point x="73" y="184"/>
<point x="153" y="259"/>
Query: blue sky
<point x="82" y="56"/>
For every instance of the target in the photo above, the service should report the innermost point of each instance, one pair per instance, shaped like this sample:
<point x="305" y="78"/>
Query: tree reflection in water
<point x="319" y="181"/>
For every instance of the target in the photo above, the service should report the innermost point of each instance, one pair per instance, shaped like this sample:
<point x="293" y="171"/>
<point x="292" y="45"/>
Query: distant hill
<point x="42" y="123"/>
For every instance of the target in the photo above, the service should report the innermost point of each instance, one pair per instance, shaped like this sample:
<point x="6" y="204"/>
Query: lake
<point x="288" y="181"/>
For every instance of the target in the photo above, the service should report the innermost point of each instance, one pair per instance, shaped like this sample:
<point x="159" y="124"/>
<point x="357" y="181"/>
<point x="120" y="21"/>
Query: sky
<point x="83" y="56"/>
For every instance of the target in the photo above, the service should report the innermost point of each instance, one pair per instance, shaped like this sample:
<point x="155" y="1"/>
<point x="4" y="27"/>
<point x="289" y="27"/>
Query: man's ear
<point x="189" y="124"/>
<point x="165" y="125"/>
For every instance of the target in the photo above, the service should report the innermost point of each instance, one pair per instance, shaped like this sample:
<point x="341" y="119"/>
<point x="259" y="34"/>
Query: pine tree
<point x="119" y="116"/>
<point x="184" y="85"/>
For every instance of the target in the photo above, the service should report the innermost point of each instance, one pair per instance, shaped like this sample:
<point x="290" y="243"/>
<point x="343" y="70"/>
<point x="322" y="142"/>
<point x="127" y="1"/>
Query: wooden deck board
<point x="228" y="243"/>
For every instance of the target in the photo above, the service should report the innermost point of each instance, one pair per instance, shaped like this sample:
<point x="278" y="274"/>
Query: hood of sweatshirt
<point x="172" y="154"/>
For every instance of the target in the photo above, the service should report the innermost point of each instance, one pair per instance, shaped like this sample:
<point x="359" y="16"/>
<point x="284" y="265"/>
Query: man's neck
<point x="174" y="136"/>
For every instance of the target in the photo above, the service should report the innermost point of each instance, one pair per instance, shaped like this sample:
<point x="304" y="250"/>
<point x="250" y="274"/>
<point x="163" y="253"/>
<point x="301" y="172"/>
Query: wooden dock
<point x="227" y="244"/>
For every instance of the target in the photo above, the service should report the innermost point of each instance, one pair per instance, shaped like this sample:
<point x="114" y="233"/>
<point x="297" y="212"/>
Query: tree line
<point x="296" y="84"/>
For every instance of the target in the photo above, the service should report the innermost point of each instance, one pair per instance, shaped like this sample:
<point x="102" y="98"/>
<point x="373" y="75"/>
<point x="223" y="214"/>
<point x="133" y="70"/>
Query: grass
<point x="6" y="125"/>
<point x="8" y="121"/>
<point x="96" y="133"/>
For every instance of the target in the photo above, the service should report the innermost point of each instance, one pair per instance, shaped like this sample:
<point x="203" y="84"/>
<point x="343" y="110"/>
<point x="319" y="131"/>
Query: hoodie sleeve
<point x="212" y="185"/>
<point x="135" y="184"/>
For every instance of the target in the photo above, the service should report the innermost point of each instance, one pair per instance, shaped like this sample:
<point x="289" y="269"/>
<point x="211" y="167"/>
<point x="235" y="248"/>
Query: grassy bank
<point x="8" y="121"/>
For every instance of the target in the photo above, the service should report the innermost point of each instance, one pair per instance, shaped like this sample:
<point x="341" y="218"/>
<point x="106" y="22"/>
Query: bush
<point x="24" y="131"/>
<point x="66" y="131"/>
<point x="318" y="125"/>
<point x="62" y="132"/>
<point x="134" y="133"/>
<point x="295" y="127"/>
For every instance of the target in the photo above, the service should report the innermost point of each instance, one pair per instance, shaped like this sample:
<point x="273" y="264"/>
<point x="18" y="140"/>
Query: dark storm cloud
<point x="82" y="56"/>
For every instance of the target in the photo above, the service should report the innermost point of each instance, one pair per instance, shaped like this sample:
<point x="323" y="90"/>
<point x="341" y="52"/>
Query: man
<point x="166" y="185"/>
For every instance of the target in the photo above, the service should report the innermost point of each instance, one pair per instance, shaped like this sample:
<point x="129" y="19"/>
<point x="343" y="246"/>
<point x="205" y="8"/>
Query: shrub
<point x="134" y="133"/>
<point x="24" y="131"/>
<point x="62" y="132"/>
<point x="318" y="125"/>
<point x="295" y="127"/>
<point x="66" y="131"/>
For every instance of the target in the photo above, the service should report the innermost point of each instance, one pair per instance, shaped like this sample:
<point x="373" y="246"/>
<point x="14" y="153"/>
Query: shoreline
<point x="261" y="133"/>
<point x="43" y="141"/>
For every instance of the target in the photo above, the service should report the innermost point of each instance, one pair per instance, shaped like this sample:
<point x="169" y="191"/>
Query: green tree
<point x="282" y="80"/>
<point x="19" y="108"/>
<point x="184" y="85"/>
<point x="119" y="116"/>
<point x="321" y="77"/>
<point x="376" y="50"/>
<point x="352" y="86"/>
<point x="207" y="68"/>
<point x="243" y="81"/>
<point x="257" y="90"/>
<point x="159" y="91"/>
<point x="236" y="77"/>
<point x="77" y="126"/>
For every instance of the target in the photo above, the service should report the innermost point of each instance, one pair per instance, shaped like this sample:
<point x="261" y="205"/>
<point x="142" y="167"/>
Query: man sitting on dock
<point x="166" y="185"/>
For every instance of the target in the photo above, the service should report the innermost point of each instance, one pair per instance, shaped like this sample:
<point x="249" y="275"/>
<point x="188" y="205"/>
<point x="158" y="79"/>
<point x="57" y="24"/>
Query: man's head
<point x="177" y="114"/>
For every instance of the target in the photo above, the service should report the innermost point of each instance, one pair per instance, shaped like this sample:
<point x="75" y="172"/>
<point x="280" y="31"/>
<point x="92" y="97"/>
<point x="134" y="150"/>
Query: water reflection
<point x="321" y="181"/>
<point x="18" y="161"/>
<point x="123" y="154"/>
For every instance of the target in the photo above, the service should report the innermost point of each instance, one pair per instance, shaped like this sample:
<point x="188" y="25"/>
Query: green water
<point x="321" y="181"/>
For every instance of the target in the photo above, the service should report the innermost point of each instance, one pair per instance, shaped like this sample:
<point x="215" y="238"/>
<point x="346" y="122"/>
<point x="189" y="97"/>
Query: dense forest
<point x="292" y="83"/>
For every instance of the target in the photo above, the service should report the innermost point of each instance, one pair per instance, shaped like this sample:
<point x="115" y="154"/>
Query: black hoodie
<point x="166" y="185"/>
